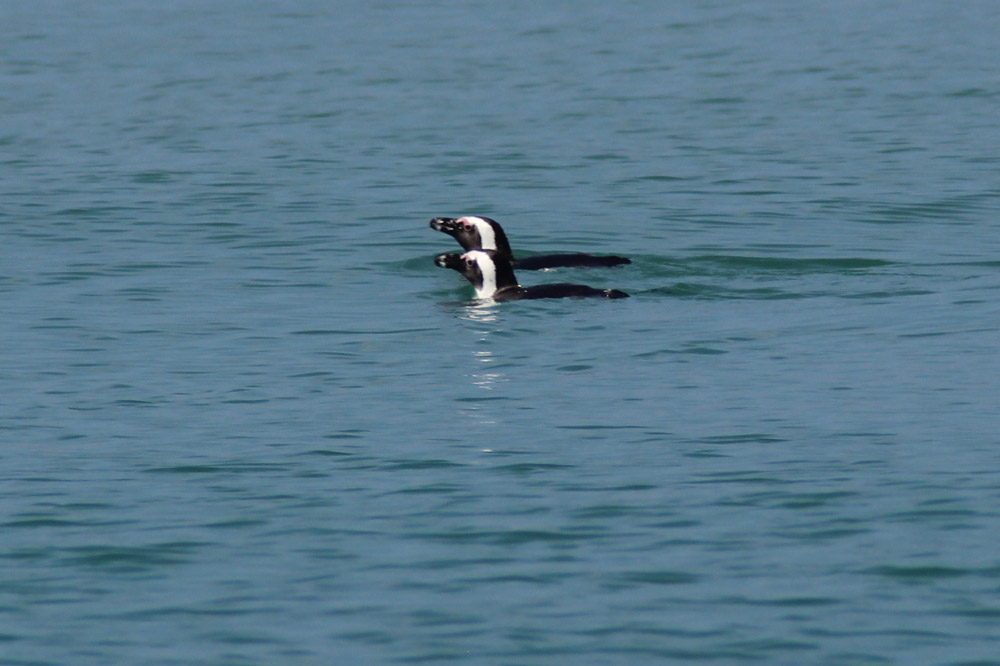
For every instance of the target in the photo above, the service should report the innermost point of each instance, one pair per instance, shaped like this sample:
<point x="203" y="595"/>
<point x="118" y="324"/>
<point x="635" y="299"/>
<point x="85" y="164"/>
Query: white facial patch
<point x="487" y="238"/>
<point x="487" y="269"/>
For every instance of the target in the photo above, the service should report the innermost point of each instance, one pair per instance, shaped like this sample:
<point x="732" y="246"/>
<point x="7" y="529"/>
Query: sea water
<point x="244" y="419"/>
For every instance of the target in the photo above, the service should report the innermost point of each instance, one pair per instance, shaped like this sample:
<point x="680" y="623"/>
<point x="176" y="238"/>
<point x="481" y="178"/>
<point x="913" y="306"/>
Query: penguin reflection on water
<point x="481" y="233"/>
<point x="492" y="276"/>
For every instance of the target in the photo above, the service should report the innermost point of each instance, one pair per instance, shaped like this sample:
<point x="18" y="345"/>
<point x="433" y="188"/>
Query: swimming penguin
<point x="481" y="233"/>
<point x="492" y="276"/>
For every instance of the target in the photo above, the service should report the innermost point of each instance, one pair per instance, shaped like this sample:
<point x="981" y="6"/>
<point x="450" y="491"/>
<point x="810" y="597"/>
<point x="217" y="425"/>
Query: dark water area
<point x="244" y="419"/>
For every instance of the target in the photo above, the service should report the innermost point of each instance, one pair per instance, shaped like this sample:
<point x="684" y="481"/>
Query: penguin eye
<point x="465" y="223"/>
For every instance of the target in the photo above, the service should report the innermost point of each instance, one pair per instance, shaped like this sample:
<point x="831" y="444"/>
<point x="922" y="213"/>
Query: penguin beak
<point x="452" y="260"/>
<point x="448" y="225"/>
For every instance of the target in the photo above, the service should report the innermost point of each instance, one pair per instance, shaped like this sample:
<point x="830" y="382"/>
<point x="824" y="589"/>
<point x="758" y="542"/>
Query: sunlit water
<point x="246" y="420"/>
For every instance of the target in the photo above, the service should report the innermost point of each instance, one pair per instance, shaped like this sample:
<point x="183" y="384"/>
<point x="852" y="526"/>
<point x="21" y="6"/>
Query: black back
<point x="571" y="260"/>
<point x="563" y="290"/>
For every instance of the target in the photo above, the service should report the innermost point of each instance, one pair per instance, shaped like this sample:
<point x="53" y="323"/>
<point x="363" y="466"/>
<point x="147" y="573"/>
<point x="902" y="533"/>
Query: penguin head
<point x="484" y="269"/>
<point x="474" y="233"/>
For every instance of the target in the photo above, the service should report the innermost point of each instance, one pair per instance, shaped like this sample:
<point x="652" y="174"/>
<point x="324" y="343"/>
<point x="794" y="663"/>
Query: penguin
<point x="492" y="276"/>
<point x="481" y="233"/>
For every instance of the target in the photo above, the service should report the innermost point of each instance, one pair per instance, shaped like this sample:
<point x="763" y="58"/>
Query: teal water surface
<point x="245" y="420"/>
